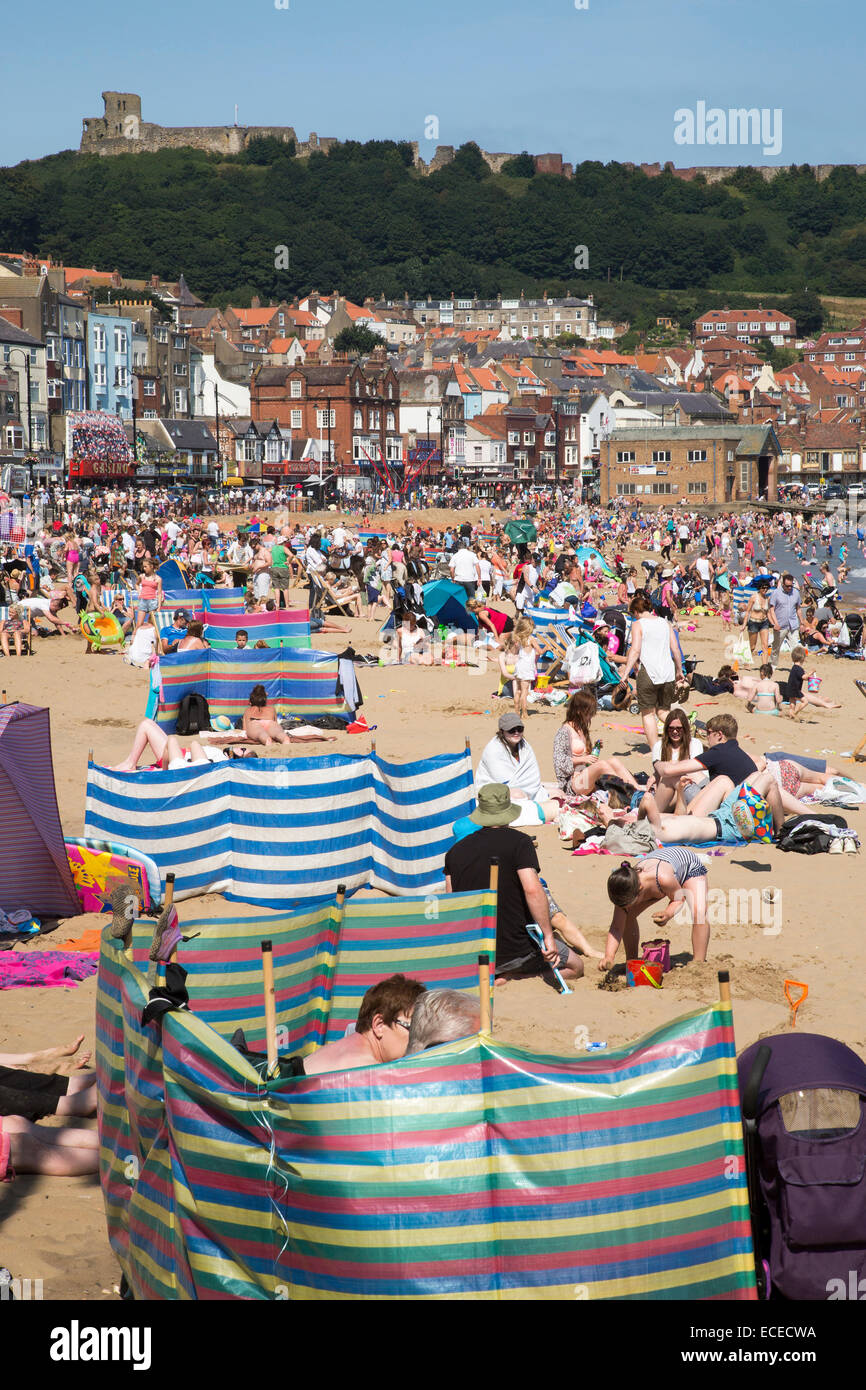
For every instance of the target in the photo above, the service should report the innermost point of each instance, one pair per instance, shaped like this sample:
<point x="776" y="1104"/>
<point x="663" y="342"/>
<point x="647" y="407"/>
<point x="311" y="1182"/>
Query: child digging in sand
<point x="671" y="873"/>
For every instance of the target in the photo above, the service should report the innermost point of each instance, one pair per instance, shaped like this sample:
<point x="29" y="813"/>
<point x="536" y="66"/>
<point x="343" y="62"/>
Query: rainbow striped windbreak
<point x="298" y="682"/>
<point x="287" y="627"/>
<point x="206" y="600"/>
<point x="473" y="1170"/>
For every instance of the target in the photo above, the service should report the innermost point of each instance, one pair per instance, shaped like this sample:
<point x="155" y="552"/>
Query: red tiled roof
<point x="252" y="318"/>
<point x="73" y="274"/>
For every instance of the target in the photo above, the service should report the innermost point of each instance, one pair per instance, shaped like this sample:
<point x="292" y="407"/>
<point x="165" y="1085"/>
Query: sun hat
<point x="494" y="806"/>
<point x="510" y="721"/>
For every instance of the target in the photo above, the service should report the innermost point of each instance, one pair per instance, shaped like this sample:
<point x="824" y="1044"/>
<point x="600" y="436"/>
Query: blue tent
<point x="446" y="603"/>
<point x="588" y="552"/>
<point x="173" y="575"/>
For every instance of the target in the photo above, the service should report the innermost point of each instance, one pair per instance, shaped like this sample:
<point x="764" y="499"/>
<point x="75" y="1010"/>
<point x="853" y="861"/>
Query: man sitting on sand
<point x="522" y="899"/>
<point x="381" y="1029"/>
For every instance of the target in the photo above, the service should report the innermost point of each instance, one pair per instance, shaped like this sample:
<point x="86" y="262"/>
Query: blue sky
<point x="597" y="83"/>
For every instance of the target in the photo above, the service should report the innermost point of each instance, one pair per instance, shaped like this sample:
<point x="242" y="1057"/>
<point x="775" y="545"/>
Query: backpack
<point x="805" y="835"/>
<point x="193" y="715"/>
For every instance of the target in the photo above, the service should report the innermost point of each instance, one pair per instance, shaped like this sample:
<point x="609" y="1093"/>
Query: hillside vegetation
<point x="362" y="220"/>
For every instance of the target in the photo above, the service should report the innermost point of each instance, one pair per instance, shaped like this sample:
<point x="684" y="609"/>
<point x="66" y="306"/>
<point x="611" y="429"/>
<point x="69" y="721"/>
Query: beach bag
<point x="658" y="952"/>
<point x="193" y="715"/>
<point x="752" y="816"/>
<point x="740" y="651"/>
<point x="584" y="664"/>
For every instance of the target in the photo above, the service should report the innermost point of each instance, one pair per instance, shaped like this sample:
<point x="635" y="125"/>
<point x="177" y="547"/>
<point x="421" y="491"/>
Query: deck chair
<point x="557" y="641"/>
<point x="324" y="600"/>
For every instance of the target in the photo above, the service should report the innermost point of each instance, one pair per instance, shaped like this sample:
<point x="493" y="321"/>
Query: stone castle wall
<point x="123" y="111"/>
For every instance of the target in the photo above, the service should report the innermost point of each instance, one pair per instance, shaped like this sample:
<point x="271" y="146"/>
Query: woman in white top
<point x="653" y="650"/>
<point x="675" y="744"/>
<point x="413" y="642"/>
<point x="485" y="572"/>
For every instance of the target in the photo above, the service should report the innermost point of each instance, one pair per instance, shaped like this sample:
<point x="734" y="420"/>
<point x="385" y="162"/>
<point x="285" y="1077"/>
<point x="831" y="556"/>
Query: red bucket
<point x="643" y="972"/>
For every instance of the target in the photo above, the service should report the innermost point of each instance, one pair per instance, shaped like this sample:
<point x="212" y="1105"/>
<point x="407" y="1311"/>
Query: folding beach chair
<point x="324" y="600"/>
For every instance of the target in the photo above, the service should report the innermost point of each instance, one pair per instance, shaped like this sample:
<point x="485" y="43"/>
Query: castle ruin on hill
<point x="122" y="131"/>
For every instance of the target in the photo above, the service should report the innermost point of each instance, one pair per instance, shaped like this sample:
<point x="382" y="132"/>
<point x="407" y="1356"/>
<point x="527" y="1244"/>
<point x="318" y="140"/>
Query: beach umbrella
<point x="445" y="602"/>
<point x="521" y="532"/>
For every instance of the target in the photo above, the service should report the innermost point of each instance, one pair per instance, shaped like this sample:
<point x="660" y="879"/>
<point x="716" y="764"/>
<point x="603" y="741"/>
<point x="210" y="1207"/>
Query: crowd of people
<point x="689" y="785"/>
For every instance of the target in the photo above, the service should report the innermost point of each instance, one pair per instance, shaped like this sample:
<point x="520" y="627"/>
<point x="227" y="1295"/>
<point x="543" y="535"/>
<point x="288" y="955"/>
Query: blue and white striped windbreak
<point x="286" y="834"/>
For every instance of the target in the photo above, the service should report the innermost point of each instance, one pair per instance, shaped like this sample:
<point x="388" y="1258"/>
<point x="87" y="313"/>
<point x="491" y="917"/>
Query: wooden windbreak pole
<point x="167" y="905"/>
<point x="270" y="1005"/>
<point x="725" y="988"/>
<point x="484" y="970"/>
<point x="484" y="990"/>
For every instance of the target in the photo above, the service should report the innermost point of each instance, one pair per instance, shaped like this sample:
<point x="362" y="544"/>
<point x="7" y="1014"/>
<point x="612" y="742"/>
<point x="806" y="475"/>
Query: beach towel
<point x="87" y="941"/>
<point x="46" y="968"/>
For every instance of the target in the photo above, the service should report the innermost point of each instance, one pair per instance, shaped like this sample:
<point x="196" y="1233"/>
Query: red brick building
<point x="746" y="325"/>
<point x="843" y="351"/>
<point x="353" y="407"/>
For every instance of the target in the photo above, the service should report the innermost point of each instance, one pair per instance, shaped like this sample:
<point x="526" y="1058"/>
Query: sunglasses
<point x="518" y="729"/>
<point x="401" y="1023"/>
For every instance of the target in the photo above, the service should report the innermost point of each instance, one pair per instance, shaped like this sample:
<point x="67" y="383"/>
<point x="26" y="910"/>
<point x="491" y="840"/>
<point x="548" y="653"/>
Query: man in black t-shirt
<point x="150" y="537"/>
<point x="522" y="898"/>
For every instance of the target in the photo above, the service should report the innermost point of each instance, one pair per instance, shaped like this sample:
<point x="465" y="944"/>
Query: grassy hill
<point x="362" y="220"/>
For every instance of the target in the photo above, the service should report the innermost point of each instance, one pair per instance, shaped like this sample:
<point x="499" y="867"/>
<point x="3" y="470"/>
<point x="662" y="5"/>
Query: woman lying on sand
<point x="27" y="1096"/>
<point x="166" y="749"/>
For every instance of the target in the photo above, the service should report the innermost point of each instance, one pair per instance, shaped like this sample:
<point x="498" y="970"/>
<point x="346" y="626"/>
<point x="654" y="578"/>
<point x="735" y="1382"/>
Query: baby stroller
<point x="854" y="624"/>
<point x="803" y="1099"/>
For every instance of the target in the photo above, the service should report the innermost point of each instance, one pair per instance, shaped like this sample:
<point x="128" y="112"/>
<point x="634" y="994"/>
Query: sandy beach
<point x="53" y="1229"/>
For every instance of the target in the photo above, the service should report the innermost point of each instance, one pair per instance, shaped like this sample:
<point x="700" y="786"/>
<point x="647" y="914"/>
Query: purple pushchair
<point x="803" y="1099"/>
